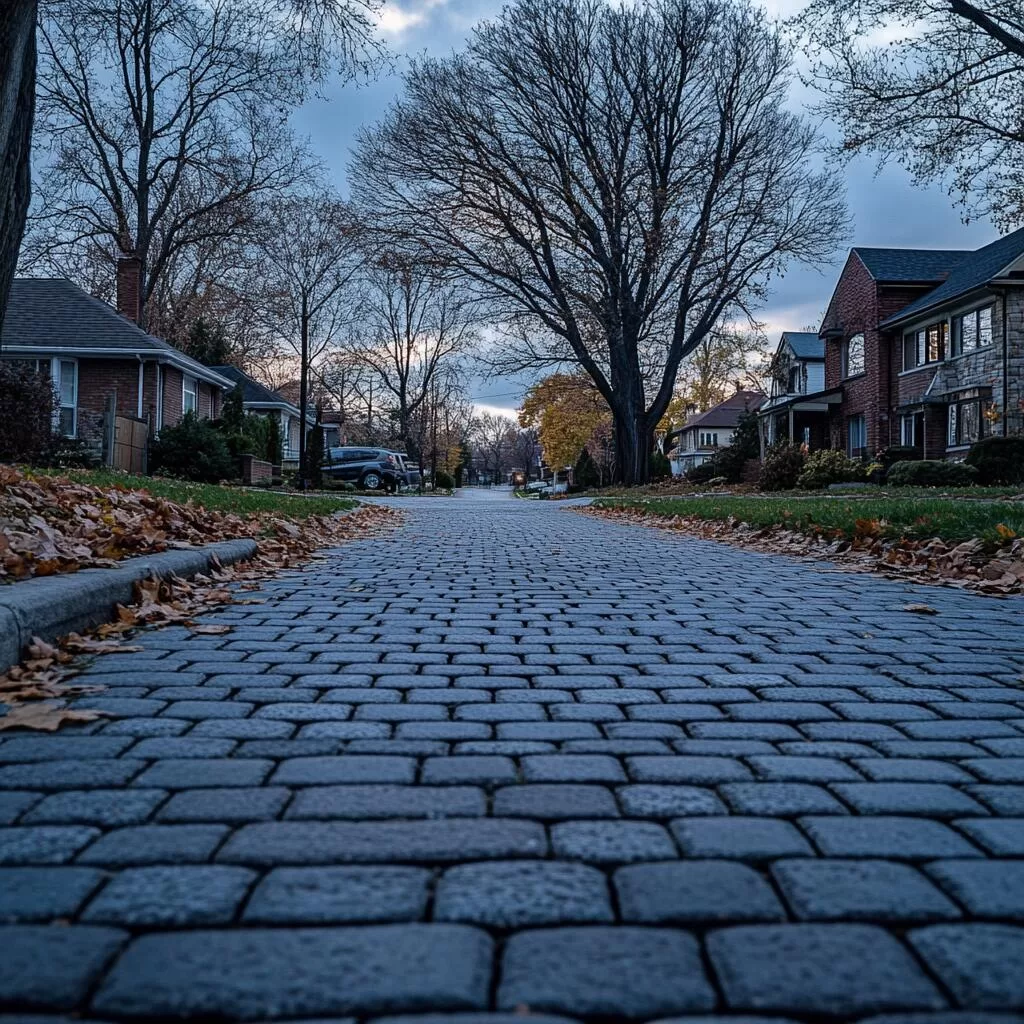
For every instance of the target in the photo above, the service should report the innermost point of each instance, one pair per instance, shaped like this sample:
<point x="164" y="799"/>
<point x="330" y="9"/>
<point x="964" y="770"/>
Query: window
<point x="708" y="440"/>
<point x="65" y="382"/>
<point x="972" y="330"/>
<point x="928" y="345"/>
<point x="857" y="435"/>
<point x="968" y="422"/>
<point x="908" y="433"/>
<point x="794" y="380"/>
<point x="853" y="356"/>
<point x="189" y="394"/>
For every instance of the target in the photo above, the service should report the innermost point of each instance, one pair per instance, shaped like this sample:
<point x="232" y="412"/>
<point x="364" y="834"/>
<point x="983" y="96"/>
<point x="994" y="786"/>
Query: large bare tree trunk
<point x="17" y="106"/>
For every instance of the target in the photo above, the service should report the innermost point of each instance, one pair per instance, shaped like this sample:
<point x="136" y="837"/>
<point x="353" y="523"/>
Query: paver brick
<point x="43" y="894"/>
<point x="326" y="771"/>
<point x="572" y="768"/>
<point x="106" y="807"/>
<point x="932" y="800"/>
<point x="693" y="770"/>
<point x="802" y="769"/>
<point x="171" y="896"/>
<point x="364" y="803"/>
<point x="622" y="972"/>
<point x="43" y="844"/>
<point x="155" y="844"/>
<point x="655" y="801"/>
<point x="864" y="890"/>
<point x="518" y="894"/>
<point x="979" y="963"/>
<point x="552" y="801"/>
<point x="992" y="889"/>
<point x="339" y="895"/>
<point x="829" y="969"/>
<point x="739" y="838"/>
<point x="329" y="842"/>
<point x="46" y="968"/>
<point x="1004" y="836"/>
<point x="478" y="770"/>
<point x="890" y="837"/>
<point x="57" y="775"/>
<point x="13" y="804"/>
<point x="238" y="974"/>
<point x="185" y="773"/>
<point x="695" y="891"/>
<point x="779" y="799"/>
<point x="229" y="805"/>
<point x="611" y="842"/>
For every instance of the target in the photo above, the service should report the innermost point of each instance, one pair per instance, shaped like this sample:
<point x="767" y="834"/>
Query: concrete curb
<point x="54" y="606"/>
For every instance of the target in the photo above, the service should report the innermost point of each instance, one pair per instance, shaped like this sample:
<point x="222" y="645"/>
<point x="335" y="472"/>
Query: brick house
<point x="92" y="352"/>
<point x="797" y="407"/>
<point x="262" y="401"/>
<point x="704" y="433"/>
<point x="926" y="348"/>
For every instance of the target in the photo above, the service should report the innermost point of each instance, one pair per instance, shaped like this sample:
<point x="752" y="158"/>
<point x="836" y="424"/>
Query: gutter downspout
<point x="1006" y="364"/>
<point x="141" y="379"/>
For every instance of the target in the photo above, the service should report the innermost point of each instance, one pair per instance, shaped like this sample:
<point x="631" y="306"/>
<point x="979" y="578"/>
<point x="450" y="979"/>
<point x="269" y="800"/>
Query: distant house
<point x="926" y="348"/>
<point x="262" y="401"/>
<point x="797" y="406"/>
<point x="704" y="433"/>
<point x="92" y="352"/>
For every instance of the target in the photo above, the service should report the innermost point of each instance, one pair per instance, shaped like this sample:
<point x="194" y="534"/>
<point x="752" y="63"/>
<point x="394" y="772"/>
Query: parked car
<point x="539" y="485"/>
<point x="409" y="468"/>
<point x="371" y="469"/>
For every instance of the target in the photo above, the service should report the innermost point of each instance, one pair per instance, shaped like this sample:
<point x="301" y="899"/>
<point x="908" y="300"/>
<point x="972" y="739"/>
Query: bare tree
<point x="140" y="97"/>
<point x="526" y="450"/>
<point x="494" y="438"/>
<point x="17" y="103"/>
<point x="308" y="261"/>
<point x="934" y="84"/>
<point x="612" y="177"/>
<point x="726" y="360"/>
<point x="416" y="324"/>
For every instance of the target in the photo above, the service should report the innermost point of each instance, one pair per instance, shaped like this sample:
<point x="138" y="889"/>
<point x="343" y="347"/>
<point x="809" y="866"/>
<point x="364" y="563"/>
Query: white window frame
<point x="185" y="379"/>
<point x="709" y="439"/>
<point x="846" y="355"/>
<point x="911" y="433"/>
<point x="55" y="379"/>
<point x="851" y="448"/>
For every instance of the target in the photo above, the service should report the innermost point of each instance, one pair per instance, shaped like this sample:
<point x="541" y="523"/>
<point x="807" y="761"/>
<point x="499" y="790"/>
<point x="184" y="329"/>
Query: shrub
<point x="192" y="450"/>
<point x="932" y="473"/>
<point x="998" y="460"/>
<point x="443" y="481"/>
<point x="704" y="472"/>
<point x="658" y="466"/>
<point x="782" y="466"/>
<point x="69" y="453"/>
<point x="26" y="411"/>
<point x="315" y="456"/>
<point x="898" y="453"/>
<point x="829" y="466"/>
<point x="584" y="473"/>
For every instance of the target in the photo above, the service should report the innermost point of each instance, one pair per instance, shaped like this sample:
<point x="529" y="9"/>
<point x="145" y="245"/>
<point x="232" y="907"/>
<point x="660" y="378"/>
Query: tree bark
<point x="17" y="108"/>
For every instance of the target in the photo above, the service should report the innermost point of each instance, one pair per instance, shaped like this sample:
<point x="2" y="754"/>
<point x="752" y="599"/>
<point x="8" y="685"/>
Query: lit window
<point x="853" y="356"/>
<point x="928" y="345"/>
<point x="189" y="394"/>
<point x="968" y="422"/>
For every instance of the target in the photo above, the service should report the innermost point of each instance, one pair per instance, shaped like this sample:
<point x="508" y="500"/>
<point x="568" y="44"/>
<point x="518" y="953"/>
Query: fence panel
<point x="130" y="438"/>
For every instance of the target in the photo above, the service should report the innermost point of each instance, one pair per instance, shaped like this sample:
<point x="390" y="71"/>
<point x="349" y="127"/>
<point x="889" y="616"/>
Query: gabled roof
<point x="974" y="271"/>
<point x="727" y="413"/>
<point x="53" y="315"/>
<point x="804" y="344"/>
<point x="909" y="265"/>
<point x="255" y="394"/>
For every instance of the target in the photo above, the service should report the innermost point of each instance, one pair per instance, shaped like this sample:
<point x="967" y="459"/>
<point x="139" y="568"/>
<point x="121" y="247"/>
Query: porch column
<point x="792" y="439"/>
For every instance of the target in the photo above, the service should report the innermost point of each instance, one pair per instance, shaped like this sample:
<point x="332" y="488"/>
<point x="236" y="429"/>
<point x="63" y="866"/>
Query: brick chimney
<point x="129" y="269"/>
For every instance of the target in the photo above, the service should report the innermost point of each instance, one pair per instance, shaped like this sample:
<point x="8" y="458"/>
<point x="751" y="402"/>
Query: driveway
<point x="512" y="757"/>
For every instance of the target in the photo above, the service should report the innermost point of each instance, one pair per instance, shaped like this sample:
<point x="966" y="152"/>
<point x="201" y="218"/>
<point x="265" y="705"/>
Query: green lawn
<point x="213" y="496"/>
<point x="912" y="518"/>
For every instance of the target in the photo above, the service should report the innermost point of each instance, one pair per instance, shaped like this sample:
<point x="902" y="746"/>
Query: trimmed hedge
<point x="782" y="466"/>
<point x="931" y="473"/>
<point x="998" y="460"/>
<point x="192" y="450"/>
<point x="829" y="466"/>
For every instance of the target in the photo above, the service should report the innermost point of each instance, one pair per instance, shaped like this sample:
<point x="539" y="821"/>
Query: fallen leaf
<point x="921" y="609"/>
<point x="210" y="629"/>
<point x="46" y="716"/>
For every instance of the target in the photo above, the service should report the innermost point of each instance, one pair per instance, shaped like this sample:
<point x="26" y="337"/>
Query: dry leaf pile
<point x="971" y="565"/>
<point x="35" y="692"/>
<point x="54" y="525"/>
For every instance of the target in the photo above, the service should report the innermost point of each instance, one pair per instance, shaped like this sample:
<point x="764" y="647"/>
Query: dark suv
<point x="371" y="469"/>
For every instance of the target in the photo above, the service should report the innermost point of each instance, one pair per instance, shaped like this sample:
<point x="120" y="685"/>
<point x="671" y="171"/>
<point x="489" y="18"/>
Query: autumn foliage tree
<point x="568" y="412"/>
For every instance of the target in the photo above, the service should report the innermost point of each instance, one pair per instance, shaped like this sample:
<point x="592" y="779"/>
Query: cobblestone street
<point x="510" y="756"/>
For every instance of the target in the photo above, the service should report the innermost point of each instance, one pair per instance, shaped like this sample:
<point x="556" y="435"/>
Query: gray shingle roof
<point x="727" y="413"/>
<point x="253" y="392"/>
<point x="804" y="344"/>
<point x="52" y="314"/>
<point x="974" y="271"/>
<point x="909" y="264"/>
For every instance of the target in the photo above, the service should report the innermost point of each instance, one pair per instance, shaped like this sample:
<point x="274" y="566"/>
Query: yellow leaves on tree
<point x="567" y="411"/>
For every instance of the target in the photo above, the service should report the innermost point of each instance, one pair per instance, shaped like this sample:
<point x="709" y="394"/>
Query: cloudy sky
<point x="887" y="210"/>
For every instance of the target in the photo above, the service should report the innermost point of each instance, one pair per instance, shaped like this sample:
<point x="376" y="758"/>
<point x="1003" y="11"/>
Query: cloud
<point x="395" y="21"/>
<point x="495" y="410"/>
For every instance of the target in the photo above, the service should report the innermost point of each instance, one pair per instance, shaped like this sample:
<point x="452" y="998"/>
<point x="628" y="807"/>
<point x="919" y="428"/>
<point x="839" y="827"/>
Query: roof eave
<point x="902" y="318"/>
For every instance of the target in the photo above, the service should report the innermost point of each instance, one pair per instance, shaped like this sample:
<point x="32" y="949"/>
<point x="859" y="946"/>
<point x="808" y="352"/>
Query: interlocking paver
<point x="464" y="726"/>
<point x="238" y="974"/>
<point x="610" y="972"/>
